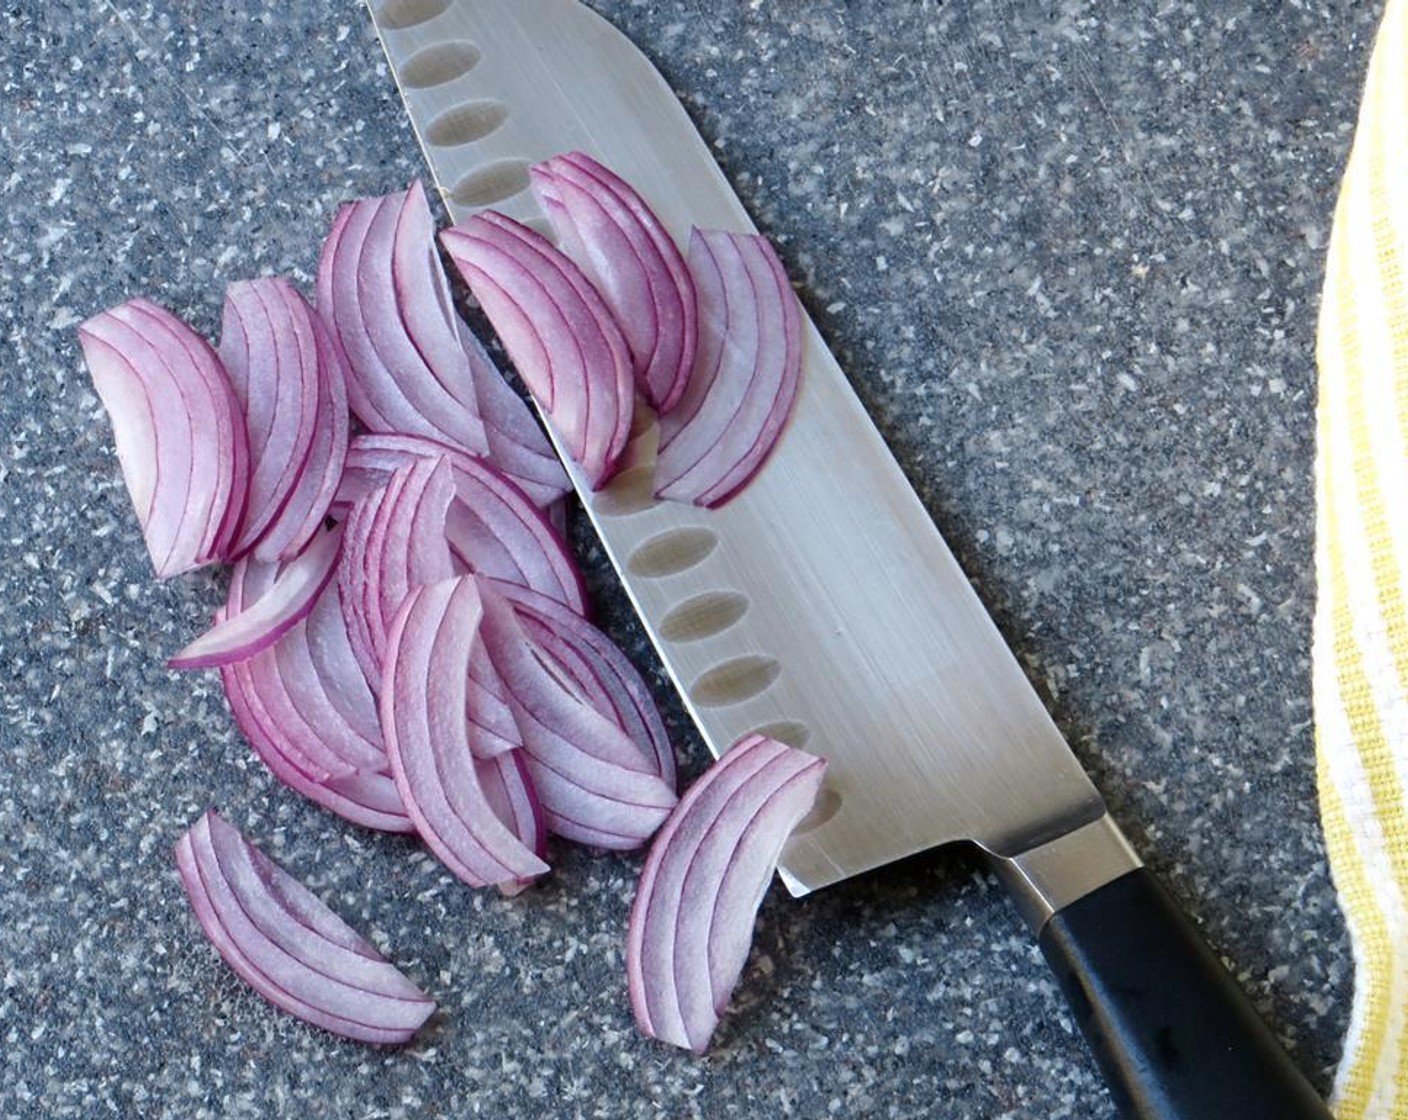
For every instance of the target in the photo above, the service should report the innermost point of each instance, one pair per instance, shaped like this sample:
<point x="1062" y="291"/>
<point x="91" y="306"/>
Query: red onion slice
<point x="289" y="379"/>
<point x="600" y="672"/>
<point x="225" y="425"/>
<point x="312" y="690"/>
<point x="746" y="377"/>
<point x="261" y="709"/>
<point x="509" y="791"/>
<point x="559" y="332"/>
<point x="262" y="620"/>
<point x="365" y="798"/>
<point x="395" y="542"/>
<point x="288" y="946"/>
<point x="594" y="784"/>
<point x="403" y="537"/>
<point x="329" y="762"/>
<point x="284" y="910"/>
<point x="517" y="445"/>
<point x="423" y="700"/>
<point x="383" y="296"/>
<point x="608" y="229"/>
<point x="324" y="762"/>
<point x="511" y="437"/>
<point x="181" y="440"/>
<point x="319" y="673"/>
<point x="704" y="879"/>
<point x="416" y="368"/>
<point x="493" y="528"/>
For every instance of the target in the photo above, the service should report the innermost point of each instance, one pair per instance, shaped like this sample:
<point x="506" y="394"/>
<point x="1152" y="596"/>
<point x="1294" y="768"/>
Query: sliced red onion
<point x="383" y="295"/>
<point x="261" y="710"/>
<point x="509" y="792"/>
<point x="372" y="461"/>
<point x="288" y="946"/>
<point x="365" y="798"/>
<point x="423" y="700"/>
<point x="598" y="670"/>
<point x="317" y="662"/>
<point x="395" y="541"/>
<point x="556" y="515"/>
<point x="746" y="377"/>
<point x="300" y="732"/>
<point x="493" y="728"/>
<point x="309" y="704"/>
<point x="227" y="427"/>
<point x="610" y="231"/>
<point x="493" y="529"/>
<point x="180" y="436"/>
<point x="561" y="335"/>
<point x="594" y="784"/>
<point x="292" y="588"/>
<point x="517" y="445"/>
<point x="289" y="379"/>
<point x="310" y="690"/>
<point x="692" y="920"/>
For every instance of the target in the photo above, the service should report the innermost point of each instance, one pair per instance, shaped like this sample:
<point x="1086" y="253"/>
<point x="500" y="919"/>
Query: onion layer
<point x="692" y="920"/>
<point x="291" y="383"/>
<point x="303" y="707"/>
<point x="306" y="709"/>
<point x="608" y="229"/>
<point x="180" y="435"/>
<point x="598" y="671"/>
<point x="423" y="698"/>
<point x="517" y="445"/>
<point x="746" y="377"/>
<point x="365" y="797"/>
<point x="384" y="298"/>
<point x="595" y="785"/>
<point x="509" y="791"/>
<point x="395" y="542"/>
<point x="561" y="335"/>
<point x="288" y="946"/>
<point x="492" y="527"/>
<point x="289" y="592"/>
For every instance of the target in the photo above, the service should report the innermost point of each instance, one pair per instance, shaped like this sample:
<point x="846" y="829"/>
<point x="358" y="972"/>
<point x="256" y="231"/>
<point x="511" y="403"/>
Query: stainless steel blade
<point x="822" y="604"/>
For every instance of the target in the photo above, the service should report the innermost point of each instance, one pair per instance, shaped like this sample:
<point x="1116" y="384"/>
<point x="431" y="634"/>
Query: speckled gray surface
<point x="1069" y="253"/>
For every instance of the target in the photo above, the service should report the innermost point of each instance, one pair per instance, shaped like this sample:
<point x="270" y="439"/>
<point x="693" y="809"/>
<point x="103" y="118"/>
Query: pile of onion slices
<point x="405" y="638"/>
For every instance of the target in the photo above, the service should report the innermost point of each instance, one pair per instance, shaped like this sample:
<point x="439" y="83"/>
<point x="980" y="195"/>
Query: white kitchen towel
<point x="1361" y="559"/>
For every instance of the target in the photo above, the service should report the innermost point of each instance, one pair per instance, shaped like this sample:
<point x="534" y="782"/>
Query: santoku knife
<point x="822" y="606"/>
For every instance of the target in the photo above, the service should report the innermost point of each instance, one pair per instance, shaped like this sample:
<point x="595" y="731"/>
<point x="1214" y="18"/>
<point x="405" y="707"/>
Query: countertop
<point x="1070" y="255"/>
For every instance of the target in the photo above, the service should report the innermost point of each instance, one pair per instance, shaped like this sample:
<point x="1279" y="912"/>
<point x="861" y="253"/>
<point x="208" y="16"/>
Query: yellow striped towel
<point x="1361" y="559"/>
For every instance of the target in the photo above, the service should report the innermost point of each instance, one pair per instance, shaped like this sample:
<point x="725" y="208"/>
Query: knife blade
<point x="848" y="591"/>
<point x="822" y="605"/>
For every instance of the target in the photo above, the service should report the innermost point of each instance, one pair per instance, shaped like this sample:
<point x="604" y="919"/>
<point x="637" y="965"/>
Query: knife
<point x="823" y="608"/>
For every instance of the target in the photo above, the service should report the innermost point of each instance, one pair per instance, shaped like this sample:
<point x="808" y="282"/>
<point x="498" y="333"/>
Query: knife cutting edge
<point x="823" y="606"/>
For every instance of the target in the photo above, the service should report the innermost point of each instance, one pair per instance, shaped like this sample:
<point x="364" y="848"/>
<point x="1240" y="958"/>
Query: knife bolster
<point x="1051" y="876"/>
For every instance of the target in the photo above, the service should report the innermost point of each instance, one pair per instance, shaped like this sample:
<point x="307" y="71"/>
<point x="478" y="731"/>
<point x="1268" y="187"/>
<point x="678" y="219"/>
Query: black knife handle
<point x="1175" y="1036"/>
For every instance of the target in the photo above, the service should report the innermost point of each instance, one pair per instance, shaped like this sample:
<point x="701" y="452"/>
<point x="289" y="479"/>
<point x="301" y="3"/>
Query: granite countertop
<point x="1070" y="255"/>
